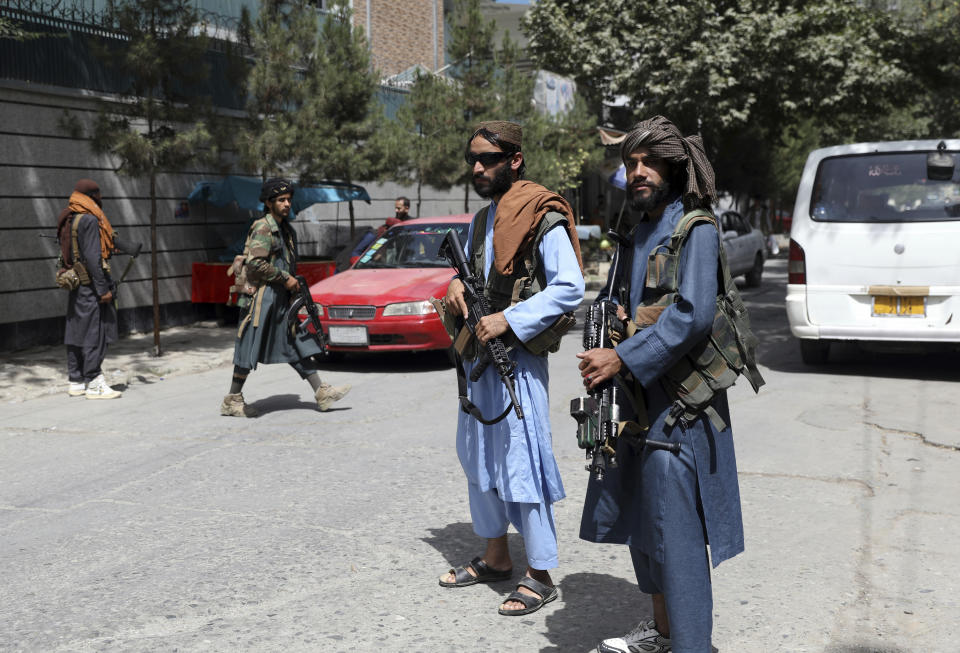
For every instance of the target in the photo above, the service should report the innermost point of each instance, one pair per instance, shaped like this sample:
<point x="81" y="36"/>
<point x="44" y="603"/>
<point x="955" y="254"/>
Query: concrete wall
<point x="39" y="165"/>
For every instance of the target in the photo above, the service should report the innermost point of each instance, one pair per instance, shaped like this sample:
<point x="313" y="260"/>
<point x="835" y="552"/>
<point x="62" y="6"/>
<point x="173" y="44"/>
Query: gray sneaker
<point x="327" y="394"/>
<point x="645" y="638"/>
<point x="234" y="406"/>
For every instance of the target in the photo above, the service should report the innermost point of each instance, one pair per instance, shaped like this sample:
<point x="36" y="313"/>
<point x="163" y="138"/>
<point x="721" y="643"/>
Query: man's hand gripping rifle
<point x="598" y="414"/>
<point x="493" y="351"/>
<point x="300" y="325"/>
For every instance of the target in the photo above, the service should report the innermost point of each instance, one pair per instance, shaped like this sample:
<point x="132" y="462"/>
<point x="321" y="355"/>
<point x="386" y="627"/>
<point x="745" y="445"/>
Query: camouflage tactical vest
<point x="714" y="363"/>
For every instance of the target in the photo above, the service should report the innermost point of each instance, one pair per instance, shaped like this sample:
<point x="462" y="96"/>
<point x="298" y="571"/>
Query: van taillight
<point x="796" y="264"/>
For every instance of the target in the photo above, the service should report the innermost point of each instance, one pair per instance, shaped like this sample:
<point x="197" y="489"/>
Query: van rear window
<point x="883" y="187"/>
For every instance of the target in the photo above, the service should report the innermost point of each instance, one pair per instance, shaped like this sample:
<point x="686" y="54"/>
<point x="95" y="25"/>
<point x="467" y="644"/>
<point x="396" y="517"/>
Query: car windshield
<point x="883" y="187"/>
<point x="410" y="246"/>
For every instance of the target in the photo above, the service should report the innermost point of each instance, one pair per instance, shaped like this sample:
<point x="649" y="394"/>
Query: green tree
<point x="559" y="149"/>
<point x="153" y="127"/>
<point x="339" y="123"/>
<point x="10" y="29"/>
<point x="281" y="41"/>
<point x="739" y="72"/>
<point x="472" y="50"/>
<point x="428" y="139"/>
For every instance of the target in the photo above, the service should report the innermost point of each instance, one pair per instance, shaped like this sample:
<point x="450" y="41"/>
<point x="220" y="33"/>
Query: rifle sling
<point x="468" y="406"/>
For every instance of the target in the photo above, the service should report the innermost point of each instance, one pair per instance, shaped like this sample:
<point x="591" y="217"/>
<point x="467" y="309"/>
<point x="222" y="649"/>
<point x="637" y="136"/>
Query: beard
<point x="658" y="195"/>
<point x="500" y="184"/>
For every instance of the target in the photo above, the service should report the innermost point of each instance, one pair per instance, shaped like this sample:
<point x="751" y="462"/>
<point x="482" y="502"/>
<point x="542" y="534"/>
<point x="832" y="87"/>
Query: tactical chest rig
<point x="527" y="279"/>
<point x="492" y="296"/>
<point x="714" y="363"/>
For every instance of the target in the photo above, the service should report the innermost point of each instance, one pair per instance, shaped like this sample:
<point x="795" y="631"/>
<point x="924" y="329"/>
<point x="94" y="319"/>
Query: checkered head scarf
<point x="665" y="141"/>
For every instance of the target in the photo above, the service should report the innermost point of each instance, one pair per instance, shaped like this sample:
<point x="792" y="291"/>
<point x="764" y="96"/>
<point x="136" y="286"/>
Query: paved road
<point x="153" y="524"/>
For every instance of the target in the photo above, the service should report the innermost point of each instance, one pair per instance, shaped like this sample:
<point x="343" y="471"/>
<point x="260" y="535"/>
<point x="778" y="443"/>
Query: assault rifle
<point x="598" y="414"/>
<point x="494" y="351"/>
<point x="304" y="301"/>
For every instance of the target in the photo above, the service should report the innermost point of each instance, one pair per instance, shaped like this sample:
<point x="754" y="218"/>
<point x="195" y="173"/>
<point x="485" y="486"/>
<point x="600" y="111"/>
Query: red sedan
<point x="381" y="302"/>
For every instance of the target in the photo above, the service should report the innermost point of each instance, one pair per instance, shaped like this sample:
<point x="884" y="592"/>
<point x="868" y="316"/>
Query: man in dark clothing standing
<point x="264" y="336"/>
<point x="86" y="236"/>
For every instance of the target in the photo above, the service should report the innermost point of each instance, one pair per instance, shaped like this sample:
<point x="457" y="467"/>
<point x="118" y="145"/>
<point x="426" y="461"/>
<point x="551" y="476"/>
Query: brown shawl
<point x="515" y="223"/>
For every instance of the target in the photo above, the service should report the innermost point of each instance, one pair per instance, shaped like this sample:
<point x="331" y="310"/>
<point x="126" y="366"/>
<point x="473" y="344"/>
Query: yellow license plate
<point x="892" y="305"/>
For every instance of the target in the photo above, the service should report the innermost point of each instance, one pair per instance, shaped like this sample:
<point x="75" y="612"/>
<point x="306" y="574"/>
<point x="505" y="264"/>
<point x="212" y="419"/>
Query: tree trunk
<point x="154" y="273"/>
<point x="352" y="227"/>
<point x="419" y="194"/>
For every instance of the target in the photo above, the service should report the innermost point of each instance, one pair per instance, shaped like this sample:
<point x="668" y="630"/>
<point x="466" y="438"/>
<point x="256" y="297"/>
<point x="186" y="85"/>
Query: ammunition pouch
<point x="68" y="278"/>
<point x="76" y="275"/>
<point x="715" y="363"/>
<point x="242" y="290"/>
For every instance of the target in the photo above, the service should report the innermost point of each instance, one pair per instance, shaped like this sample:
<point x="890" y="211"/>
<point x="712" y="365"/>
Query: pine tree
<point x="281" y="40"/>
<point x="339" y="124"/>
<point x="154" y="126"/>
<point x="429" y="137"/>
<point x="472" y="51"/>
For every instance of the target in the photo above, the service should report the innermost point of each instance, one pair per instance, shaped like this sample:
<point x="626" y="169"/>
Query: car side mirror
<point x="940" y="165"/>
<point x="727" y="235"/>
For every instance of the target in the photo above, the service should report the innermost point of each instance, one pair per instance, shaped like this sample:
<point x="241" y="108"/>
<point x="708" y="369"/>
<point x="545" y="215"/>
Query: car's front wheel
<point x="814" y="352"/>
<point x="756" y="272"/>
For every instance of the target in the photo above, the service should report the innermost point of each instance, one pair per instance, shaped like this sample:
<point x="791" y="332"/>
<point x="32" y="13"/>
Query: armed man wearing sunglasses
<point x="523" y="252"/>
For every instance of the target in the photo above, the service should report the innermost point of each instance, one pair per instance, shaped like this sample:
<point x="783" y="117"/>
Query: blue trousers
<point x="684" y="575"/>
<point x="534" y="521"/>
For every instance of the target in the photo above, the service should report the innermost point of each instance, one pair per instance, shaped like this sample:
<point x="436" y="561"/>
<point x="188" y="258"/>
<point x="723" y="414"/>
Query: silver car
<point x="744" y="246"/>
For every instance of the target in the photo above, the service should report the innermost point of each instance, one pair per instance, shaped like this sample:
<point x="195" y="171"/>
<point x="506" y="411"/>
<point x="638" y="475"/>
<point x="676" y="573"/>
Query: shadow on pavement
<point x="276" y="403"/>
<point x="595" y="606"/>
<point x="458" y="545"/>
<point x="385" y="362"/>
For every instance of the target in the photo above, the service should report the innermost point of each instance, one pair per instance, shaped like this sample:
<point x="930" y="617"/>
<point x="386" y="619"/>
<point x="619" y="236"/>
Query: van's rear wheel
<point x="756" y="272"/>
<point x="814" y="352"/>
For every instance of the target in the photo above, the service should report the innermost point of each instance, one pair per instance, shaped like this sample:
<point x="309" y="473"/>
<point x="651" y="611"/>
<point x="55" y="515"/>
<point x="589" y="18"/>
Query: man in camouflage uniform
<point x="264" y="336"/>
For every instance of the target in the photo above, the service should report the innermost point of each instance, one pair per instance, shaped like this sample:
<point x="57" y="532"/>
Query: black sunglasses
<point x="486" y="159"/>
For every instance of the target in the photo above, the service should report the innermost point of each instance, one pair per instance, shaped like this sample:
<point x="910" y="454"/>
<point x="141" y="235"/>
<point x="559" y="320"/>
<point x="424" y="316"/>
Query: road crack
<point x="913" y="434"/>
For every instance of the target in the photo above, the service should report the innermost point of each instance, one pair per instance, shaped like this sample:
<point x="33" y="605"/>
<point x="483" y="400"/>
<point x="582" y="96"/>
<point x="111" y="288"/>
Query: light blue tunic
<point x="513" y="456"/>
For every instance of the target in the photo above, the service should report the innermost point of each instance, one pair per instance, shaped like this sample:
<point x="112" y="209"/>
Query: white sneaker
<point x="645" y="638"/>
<point x="98" y="389"/>
<point x="77" y="389"/>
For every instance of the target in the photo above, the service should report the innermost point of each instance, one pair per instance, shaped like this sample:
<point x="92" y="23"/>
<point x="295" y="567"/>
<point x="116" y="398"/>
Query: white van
<point x="875" y="246"/>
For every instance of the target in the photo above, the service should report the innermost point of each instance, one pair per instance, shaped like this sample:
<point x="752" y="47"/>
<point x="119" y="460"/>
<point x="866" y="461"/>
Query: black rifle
<point x="133" y="256"/>
<point x="304" y="300"/>
<point x="494" y="351"/>
<point x="598" y="414"/>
